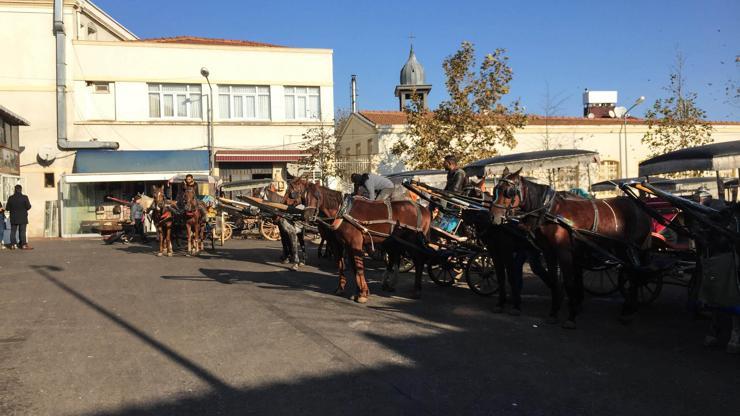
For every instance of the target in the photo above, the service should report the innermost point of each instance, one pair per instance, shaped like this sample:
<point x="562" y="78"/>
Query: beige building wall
<point x="100" y="50"/>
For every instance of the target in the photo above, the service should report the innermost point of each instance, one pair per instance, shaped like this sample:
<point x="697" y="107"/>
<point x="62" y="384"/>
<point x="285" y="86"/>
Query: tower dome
<point x="412" y="72"/>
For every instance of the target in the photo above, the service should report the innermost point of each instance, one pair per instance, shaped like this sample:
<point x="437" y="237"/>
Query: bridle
<point x="511" y="193"/>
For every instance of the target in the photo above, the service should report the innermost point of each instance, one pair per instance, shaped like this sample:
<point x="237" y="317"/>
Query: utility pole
<point x="211" y="161"/>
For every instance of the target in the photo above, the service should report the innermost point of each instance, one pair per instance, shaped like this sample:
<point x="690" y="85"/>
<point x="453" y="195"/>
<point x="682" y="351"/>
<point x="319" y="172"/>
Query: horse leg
<point x="555" y="285"/>
<point x="419" y="270"/>
<point x="159" y="237"/>
<point x="500" y="264"/>
<point x="392" y="264"/>
<point x="340" y="268"/>
<point x="516" y="281"/>
<point x="362" y="289"/>
<point x="169" y="241"/>
<point x="733" y="346"/>
<point x="569" y="277"/>
<point x="187" y="233"/>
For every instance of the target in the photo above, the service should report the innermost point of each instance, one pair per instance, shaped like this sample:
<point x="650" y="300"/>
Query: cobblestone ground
<point x="90" y="329"/>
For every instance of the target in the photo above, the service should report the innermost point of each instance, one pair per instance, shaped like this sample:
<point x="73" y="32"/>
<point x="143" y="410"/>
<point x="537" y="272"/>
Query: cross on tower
<point x="411" y="39"/>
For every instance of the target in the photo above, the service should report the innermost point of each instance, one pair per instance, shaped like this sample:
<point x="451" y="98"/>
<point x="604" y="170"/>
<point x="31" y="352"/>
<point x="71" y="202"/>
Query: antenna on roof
<point x="353" y="93"/>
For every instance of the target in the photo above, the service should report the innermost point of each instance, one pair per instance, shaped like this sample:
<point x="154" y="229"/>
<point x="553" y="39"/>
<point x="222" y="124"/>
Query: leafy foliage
<point x="473" y="123"/>
<point x="321" y="145"/>
<point x="676" y="122"/>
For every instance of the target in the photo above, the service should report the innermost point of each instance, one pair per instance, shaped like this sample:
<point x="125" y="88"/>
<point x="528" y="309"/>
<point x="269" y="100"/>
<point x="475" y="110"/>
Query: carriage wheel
<point x="269" y="231"/>
<point x="228" y="231"/>
<point x="601" y="280"/>
<point x="647" y="292"/>
<point x="444" y="274"/>
<point x="481" y="275"/>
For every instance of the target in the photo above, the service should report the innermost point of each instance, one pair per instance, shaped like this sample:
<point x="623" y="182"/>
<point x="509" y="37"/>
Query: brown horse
<point x="163" y="217"/>
<point x="193" y="216"/>
<point x="615" y="226"/>
<point x="357" y="222"/>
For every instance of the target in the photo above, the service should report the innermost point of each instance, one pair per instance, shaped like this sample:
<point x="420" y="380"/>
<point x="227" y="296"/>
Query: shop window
<point x="49" y="180"/>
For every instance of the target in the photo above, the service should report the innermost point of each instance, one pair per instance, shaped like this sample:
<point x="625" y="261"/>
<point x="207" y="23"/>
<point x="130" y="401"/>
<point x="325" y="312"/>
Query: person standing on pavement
<point x="18" y="205"/>
<point x="137" y="216"/>
<point x="2" y="227"/>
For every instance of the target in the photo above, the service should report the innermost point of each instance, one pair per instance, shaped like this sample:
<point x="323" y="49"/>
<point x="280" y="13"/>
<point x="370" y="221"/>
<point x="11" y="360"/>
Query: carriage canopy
<point x="715" y="156"/>
<point x="530" y="161"/>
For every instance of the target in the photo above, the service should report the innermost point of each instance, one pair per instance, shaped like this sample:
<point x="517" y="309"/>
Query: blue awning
<point x="140" y="161"/>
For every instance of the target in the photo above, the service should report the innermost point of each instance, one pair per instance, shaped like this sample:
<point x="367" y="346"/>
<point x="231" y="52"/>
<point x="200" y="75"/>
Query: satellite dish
<point x="620" y="111"/>
<point x="47" y="154"/>
<point x="612" y="114"/>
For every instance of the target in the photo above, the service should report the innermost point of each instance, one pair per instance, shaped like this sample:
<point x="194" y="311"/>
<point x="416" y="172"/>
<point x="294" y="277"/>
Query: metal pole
<point x="626" y="157"/>
<point x="211" y="162"/>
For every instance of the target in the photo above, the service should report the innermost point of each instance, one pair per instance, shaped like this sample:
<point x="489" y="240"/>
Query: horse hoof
<point x="169" y="254"/>
<point x="515" y="311"/>
<point x="569" y="324"/>
<point x="159" y="254"/>
<point x="295" y="267"/>
<point x="733" y="348"/>
<point x="552" y="320"/>
<point x="712" y="341"/>
<point x="339" y="292"/>
<point x="498" y="309"/>
<point x="361" y="299"/>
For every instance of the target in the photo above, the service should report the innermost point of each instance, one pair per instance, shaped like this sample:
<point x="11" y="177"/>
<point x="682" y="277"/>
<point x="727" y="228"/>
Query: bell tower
<point x="412" y="83"/>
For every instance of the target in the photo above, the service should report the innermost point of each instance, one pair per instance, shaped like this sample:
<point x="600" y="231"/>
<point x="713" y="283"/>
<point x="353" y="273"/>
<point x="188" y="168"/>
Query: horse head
<point x="190" y="201"/>
<point x="507" y="196"/>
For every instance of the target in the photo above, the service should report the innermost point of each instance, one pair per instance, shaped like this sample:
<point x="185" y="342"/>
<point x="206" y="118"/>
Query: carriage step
<point x="444" y="233"/>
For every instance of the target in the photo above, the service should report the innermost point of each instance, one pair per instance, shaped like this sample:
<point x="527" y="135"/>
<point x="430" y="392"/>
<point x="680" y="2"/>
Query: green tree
<point x="473" y="123"/>
<point x="321" y="145"/>
<point x="676" y="122"/>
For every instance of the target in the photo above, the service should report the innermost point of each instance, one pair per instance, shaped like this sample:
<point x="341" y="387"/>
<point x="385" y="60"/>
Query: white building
<point x="149" y="95"/>
<point x="368" y="137"/>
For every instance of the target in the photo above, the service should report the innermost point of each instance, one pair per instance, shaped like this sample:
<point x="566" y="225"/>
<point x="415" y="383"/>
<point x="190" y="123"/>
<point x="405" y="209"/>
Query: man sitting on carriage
<point x="190" y="185"/>
<point x="456" y="177"/>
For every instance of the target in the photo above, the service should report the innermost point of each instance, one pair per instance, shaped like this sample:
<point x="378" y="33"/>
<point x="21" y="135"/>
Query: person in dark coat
<point x="455" y="175"/>
<point x="18" y="206"/>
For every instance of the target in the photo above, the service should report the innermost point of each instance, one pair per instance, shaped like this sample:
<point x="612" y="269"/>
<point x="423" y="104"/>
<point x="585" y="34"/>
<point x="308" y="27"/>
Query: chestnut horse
<point x="614" y="225"/>
<point x="357" y="222"/>
<point x="193" y="216"/>
<point x="163" y="217"/>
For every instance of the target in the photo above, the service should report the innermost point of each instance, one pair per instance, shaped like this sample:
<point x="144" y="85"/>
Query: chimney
<point x="353" y="93"/>
<point x="598" y="104"/>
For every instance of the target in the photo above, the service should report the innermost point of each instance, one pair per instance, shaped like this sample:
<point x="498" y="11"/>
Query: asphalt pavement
<point x="90" y="329"/>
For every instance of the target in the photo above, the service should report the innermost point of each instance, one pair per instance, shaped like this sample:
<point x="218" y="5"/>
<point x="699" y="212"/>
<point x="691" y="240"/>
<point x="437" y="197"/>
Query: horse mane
<point x="332" y="199"/>
<point x="535" y="193"/>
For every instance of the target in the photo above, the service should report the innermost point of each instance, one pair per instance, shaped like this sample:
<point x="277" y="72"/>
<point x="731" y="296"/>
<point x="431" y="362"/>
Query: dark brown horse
<point x="358" y="222"/>
<point x="162" y="213"/>
<point x="615" y="226"/>
<point x="193" y="218"/>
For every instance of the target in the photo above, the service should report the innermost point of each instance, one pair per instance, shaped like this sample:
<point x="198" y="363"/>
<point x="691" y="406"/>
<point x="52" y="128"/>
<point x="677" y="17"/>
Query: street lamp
<point x="211" y="163"/>
<point x="624" y="126"/>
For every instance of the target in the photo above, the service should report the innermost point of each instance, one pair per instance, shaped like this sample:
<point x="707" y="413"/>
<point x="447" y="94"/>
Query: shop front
<point x="98" y="175"/>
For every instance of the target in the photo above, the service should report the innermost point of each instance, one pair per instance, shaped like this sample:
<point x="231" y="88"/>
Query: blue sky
<point x="627" y="46"/>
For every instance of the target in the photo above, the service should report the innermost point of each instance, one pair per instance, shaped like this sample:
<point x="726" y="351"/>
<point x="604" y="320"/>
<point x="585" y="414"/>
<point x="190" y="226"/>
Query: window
<point x="346" y="151"/>
<point x="247" y="102"/>
<point x="302" y="103"/>
<point x="99" y="87"/>
<point x="608" y="170"/>
<point x="357" y="149"/>
<point x="175" y="101"/>
<point x="49" y="180"/>
<point x="369" y="147"/>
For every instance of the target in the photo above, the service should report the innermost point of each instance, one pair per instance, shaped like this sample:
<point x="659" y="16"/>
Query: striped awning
<point x="260" y="155"/>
